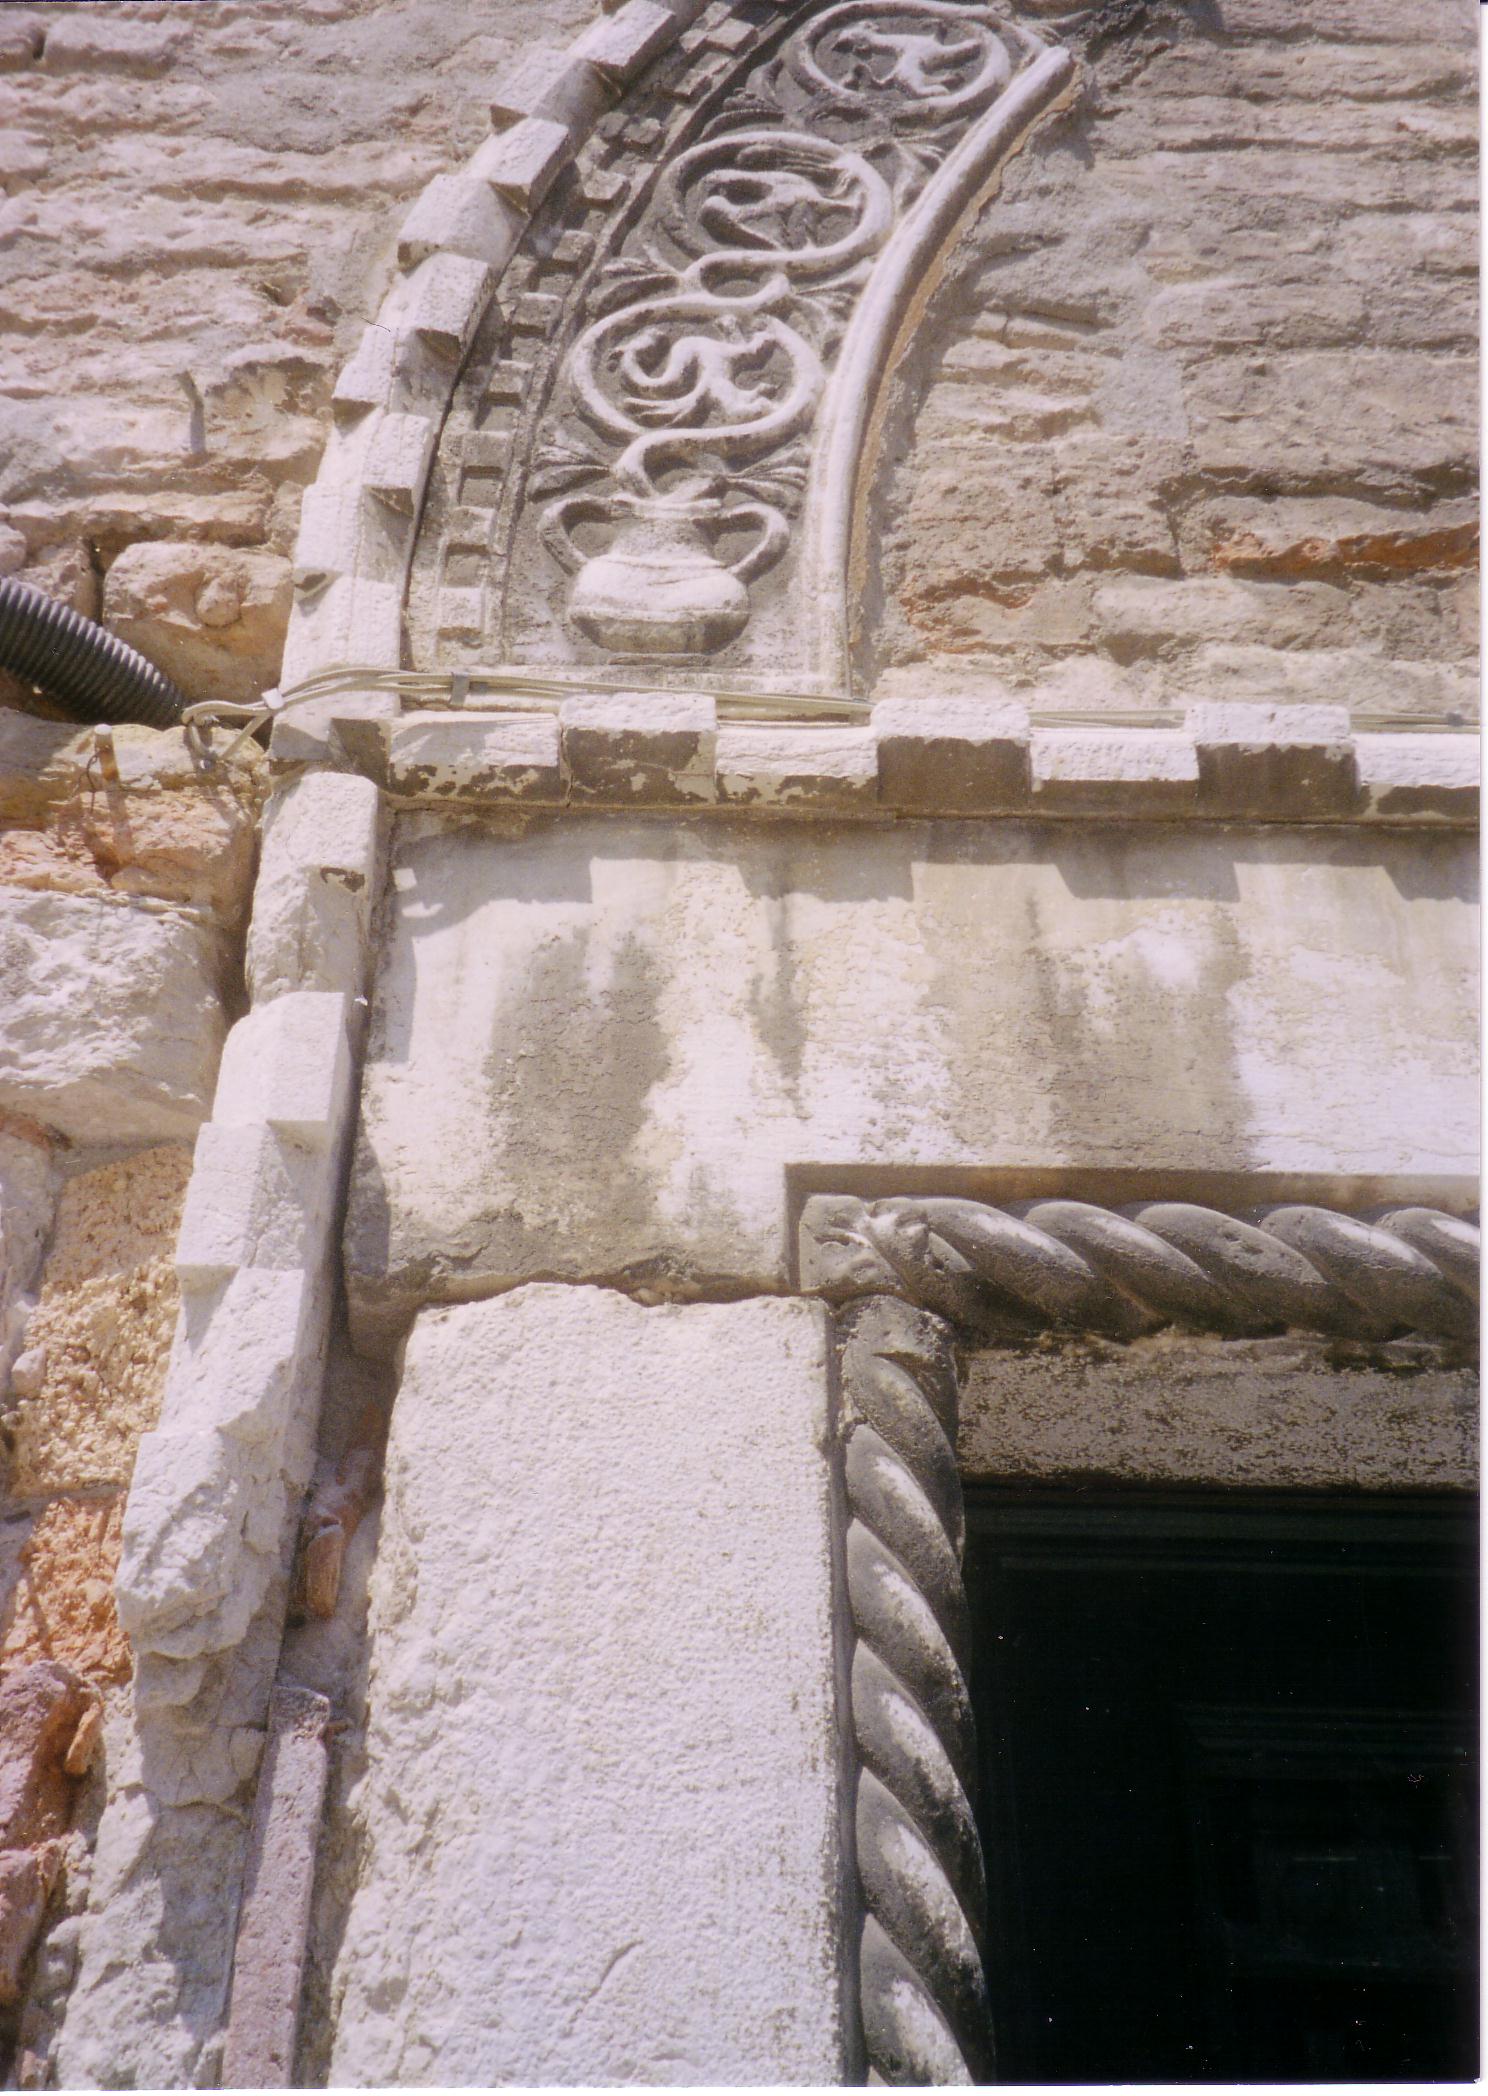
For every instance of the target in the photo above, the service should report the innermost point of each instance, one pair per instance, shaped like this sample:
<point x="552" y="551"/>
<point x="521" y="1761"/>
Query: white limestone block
<point x="254" y="1199"/>
<point x="1274" y="763"/>
<point x="319" y="874"/>
<point x="351" y="619"/>
<point x="599" y="1835"/>
<point x="651" y="747"/>
<point x="443" y="300"/>
<point x="397" y="462"/>
<point x="1420" y="777"/>
<point x="463" y="216"/>
<point x="366" y="379"/>
<point x="774" y="765"/>
<point x="330" y="529"/>
<point x="182" y="1520"/>
<point x="288" y="1064"/>
<point x="236" y="1360"/>
<point x="952" y="754"/>
<point x="1125" y="772"/>
<point x="459" y="756"/>
<point x="520" y="163"/>
<point x="110" y="1017"/>
<point x="621" y="45"/>
<point x="558" y="85"/>
<point x="604" y="1047"/>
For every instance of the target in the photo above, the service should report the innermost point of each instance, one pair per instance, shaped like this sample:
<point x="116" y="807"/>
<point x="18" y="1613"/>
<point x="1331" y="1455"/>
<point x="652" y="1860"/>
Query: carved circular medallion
<point x="747" y="200"/>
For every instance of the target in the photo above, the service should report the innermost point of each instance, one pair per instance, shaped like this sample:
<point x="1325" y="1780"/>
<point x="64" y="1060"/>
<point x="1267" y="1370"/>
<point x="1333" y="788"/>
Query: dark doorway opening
<point x="1228" y="1785"/>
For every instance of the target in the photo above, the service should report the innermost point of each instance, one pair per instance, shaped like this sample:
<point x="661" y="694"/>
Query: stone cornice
<point x="1077" y="1267"/>
<point x="928" y="758"/>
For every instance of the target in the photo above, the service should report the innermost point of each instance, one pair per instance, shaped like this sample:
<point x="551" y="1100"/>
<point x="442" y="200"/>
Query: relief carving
<point x="673" y="461"/>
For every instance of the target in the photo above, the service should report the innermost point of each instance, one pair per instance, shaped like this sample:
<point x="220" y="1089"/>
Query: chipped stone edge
<point x="924" y="760"/>
<point x="361" y="513"/>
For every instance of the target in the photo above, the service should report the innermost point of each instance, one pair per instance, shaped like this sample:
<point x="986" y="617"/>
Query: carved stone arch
<point x="615" y="411"/>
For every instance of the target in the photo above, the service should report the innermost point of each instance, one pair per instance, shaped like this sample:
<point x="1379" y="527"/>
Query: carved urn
<point x="660" y="588"/>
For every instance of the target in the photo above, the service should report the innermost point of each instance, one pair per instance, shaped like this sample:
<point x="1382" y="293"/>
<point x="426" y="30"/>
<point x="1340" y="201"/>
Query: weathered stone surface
<point x="194" y="847"/>
<point x="212" y="617"/>
<point x="155" y="1945"/>
<point x="90" y="1379"/>
<point x="624" y="746"/>
<point x="110" y="1017"/>
<point x="1154" y="361"/>
<point x="597" y="1048"/>
<point x="268" y="1956"/>
<point x="626" y="1595"/>
<point x="951" y="752"/>
<point x="28" y="1192"/>
<point x="455" y="756"/>
<point x="317" y="884"/>
<point x="1290" y="1414"/>
<point x="57" y="1566"/>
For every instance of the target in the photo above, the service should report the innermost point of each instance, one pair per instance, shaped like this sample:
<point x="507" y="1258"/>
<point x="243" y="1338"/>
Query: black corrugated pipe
<point x="88" y="671"/>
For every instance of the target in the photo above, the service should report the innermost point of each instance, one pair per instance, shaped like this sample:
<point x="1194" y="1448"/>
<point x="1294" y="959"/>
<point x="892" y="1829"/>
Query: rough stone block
<point x="366" y="379"/>
<point x="96" y="45"/>
<point x="236" y="1365"/>
<point x="60" y="1603"/>
<point x="1274" y="763"/>
<point x="520" y="163"/>
<point x="255" y="1199"/>
<point x="182" y="1524"/>
<point x="40" y="762"/>
<point x="317" y="884"/>
<point x="110" y="1018"/>
<point x="621" y="45"/>
<point x="1126" y="772"/>
<point x="212" y="617"/>
<point x="952" y="755"/>
<point x="288" y="1065"/>
<point x="444" y="299"/>
<point x="554" y="84"/>
<point x="458" y="756"/>
<point x="340" y="619"/>
<point x="549" y="1540"/>
<point x="463" y="216"/>
<point x="28" y="1192"/>
<point x="1420" y="778"/>
<point x="397" y="462"/>
<point x="641" y="746"/>
<point x="770" y="766"/>
<point x="599" y="1048"/>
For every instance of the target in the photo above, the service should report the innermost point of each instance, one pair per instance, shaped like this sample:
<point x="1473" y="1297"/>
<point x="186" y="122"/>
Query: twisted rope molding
<point x="922" y="1987"/>
<point x="910" y="1272"/>
<point x="1123" y="1272"/>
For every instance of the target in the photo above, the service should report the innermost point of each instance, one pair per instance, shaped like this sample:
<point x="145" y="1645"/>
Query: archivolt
<point x="673" y="280"/>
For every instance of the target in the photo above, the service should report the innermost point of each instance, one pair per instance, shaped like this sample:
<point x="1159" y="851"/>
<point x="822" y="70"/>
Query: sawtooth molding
<point x="814" y="163"/>
<point x="923" y="759"/>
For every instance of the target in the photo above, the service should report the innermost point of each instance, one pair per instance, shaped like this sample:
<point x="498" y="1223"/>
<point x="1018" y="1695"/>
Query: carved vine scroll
<point x="668" y="497"/>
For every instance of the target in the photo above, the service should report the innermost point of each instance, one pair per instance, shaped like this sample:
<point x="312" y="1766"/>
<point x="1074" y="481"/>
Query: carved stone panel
<point x="648" y="415"/>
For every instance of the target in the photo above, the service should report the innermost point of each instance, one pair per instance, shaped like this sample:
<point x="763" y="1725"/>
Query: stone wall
<point x="198" y="217"/>
<point x="1195" y="417"/>
<point x="124" y="882"/>
<point x="1118" y="476"/>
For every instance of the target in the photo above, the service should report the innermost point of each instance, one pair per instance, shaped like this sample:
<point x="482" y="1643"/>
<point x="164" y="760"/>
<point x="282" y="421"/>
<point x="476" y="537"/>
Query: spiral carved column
<point x="924" y="1999"/>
